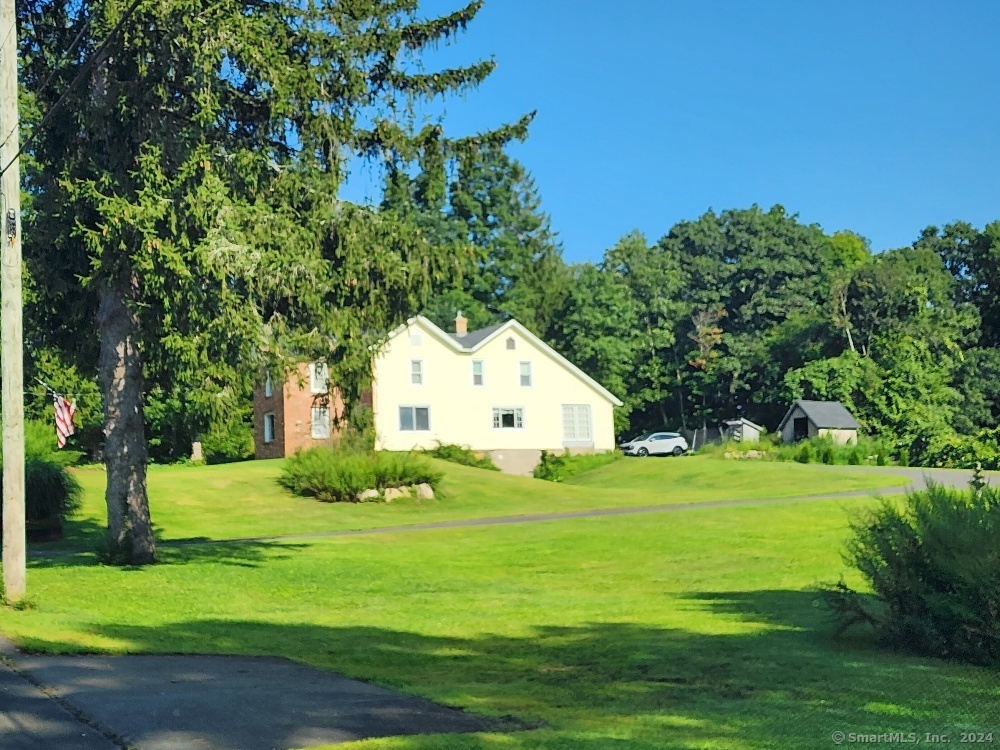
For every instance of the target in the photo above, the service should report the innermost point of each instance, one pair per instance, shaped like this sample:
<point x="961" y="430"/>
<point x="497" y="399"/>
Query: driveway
<point x="201" y="703"/>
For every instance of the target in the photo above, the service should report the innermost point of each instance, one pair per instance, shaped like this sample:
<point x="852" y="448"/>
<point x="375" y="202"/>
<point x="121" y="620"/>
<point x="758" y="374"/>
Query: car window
<point x="671" y="435"/>
<point x="659" y="436"/>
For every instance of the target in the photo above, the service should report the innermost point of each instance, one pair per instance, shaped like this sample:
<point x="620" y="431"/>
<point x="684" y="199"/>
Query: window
<point x="269" y="427"/>
<point x="268" y="388"/>
<point x="511" y="344"/>
<point x="576" y="423"/>
<point x="508" y="418"/>
<point x="413" y="418"/>
<point x="417" y="371"/>
<point x="416" y="339"/>
<point x="321" y="422"/>
<point x="526" y="374"/>
<point x="477" y="372"/>
<point x="319" y="377"/>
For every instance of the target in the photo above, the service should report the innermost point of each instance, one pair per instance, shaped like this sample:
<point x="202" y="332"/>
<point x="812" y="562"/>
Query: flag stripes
<point x="64" y="419"/>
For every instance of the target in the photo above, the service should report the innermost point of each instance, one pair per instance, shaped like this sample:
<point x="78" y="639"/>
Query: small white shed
<point x="742" y="430"/>
<point x="806" y="419"/>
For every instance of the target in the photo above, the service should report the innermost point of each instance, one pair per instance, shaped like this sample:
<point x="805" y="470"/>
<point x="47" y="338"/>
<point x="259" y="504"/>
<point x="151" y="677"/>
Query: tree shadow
<point x="244" y="553"/>
<point x="773" y="678"/>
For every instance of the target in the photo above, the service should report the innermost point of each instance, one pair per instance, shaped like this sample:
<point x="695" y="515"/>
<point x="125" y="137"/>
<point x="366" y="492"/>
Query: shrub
<point x="804" y="454"/>
<point x="555" y="467"/>
<point x="228" y="442"/>
<point x="826" y="454"/>
<point x="49" y="490"/>
<point x="934" y="566"/>
<point x="332" y="475"/>
<point x="460" y="454"/>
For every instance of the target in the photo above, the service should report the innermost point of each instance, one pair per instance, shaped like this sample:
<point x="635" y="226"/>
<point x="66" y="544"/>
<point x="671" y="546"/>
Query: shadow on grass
<point x="776" y="680"/>
<point x="241" y="553"/>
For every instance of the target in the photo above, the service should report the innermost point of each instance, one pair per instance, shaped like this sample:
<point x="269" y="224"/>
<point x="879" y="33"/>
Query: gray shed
<point x="806" y="419"/>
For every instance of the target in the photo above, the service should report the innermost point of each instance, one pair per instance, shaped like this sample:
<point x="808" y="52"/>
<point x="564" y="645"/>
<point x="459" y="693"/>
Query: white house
<point x="500" y="390"/>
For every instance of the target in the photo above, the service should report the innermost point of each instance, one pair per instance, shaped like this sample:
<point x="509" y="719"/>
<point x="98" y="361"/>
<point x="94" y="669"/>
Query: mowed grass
<point x="688" y="629"/>
<point x="244" y="500"/>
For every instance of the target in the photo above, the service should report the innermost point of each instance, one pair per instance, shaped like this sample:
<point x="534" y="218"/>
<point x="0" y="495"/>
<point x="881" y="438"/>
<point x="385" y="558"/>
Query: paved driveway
<point x="201" y="703"/>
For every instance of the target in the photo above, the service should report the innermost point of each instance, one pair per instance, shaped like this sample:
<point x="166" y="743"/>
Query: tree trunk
<point x="130" y="531"/>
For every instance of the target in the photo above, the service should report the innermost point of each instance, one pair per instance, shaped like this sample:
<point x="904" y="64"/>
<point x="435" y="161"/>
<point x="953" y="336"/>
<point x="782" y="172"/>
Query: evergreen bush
<point x="50" y="491"/>
<point x="332" y="475"/>
<point x="933" y="563"/>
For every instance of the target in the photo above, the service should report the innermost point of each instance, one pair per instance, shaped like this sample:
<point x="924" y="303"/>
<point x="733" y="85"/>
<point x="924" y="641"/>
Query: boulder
<point x="727" y="454"/>
<point x="754" y="454"/>
<point x="425" y="492"/>
<point x="394" y="493"/>
<point x="367" y="495"/>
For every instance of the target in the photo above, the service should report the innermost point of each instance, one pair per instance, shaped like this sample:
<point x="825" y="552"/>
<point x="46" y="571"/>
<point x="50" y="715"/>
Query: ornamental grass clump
<point x="332" y="475"/>
<point x="933" y="563"/>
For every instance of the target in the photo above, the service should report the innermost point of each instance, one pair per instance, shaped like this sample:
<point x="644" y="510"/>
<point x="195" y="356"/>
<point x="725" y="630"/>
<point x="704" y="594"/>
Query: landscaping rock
<point x="727" y="454"/>
<point x="392" y="493"/>
<point x="425" y="492"/>
<point x="367" y="495"/>
<point x="754" y="454"/>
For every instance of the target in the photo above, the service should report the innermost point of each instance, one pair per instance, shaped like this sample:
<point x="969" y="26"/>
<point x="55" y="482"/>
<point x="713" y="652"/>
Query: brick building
<point x="301" y="413"/>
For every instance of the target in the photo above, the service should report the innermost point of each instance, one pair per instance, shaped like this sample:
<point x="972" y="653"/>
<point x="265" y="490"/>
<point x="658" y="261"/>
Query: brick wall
<point x="292" y="404"/>
<point x="263" y="405"/>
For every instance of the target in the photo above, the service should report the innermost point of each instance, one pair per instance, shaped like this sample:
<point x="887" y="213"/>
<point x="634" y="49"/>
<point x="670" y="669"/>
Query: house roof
<point x="826" y="415"/>
<point x="475" y="340"/>
<point x="472" y="338"/>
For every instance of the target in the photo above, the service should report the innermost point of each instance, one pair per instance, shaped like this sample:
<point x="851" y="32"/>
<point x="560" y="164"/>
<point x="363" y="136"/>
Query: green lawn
<point x="690" y="629"/>
<point x="241" y="500"/>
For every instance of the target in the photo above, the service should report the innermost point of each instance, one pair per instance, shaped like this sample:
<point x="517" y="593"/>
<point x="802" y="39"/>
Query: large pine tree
<point x="185" y="215"/>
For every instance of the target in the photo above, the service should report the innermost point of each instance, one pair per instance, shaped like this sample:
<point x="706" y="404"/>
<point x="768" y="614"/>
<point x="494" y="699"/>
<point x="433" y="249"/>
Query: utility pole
<point x="11" y="353"/>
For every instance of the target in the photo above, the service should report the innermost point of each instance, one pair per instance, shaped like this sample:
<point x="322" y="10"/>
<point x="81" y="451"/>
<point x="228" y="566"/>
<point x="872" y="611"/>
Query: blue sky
<point x="881" y="117"/>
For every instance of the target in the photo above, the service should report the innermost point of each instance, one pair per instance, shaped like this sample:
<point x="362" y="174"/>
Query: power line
<point x="87" y="66"/>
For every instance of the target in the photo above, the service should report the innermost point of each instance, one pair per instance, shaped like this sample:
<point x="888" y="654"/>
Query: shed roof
<point x="826" y="415"/>
<point x="744" y="421"/>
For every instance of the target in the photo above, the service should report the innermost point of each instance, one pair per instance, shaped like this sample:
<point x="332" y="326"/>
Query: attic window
<point x="511" y="344"/>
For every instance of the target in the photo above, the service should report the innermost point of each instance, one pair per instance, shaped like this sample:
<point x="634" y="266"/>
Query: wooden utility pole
<point x="11" y="363"/>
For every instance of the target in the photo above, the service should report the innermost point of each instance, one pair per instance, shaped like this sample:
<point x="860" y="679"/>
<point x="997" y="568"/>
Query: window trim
<point x="313" y="377"/>
<point x="520" y="374"/>
<point x="496" y="414"/>
<point x="482" y="373"/>
<point x="313" y="423"/>
<point x="274" y="425"/>
<point x="413" y="408"/>
<point x="419" y="372"/>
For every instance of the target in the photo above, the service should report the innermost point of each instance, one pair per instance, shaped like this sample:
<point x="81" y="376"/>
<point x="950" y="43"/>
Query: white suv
<point x="655" y="444"/>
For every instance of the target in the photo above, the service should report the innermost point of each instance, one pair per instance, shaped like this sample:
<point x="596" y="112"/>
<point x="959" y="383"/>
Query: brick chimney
<point x="461" y="325"/>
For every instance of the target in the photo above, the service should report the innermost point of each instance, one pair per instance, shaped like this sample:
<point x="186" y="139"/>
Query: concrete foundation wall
<point x="840" y="437"/>
<point x="516" y="460"/>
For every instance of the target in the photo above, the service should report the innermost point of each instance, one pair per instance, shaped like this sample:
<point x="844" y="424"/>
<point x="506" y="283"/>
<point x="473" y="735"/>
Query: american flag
<point x="64" y="419"/>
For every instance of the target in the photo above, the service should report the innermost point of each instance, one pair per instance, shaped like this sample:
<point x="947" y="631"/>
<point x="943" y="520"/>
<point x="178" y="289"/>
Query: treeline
<point x="736" y="312"/>
<point x="740" y="311"/>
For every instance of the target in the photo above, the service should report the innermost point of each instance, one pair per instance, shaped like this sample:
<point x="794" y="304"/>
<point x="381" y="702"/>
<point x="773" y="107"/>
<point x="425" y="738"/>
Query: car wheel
<point x="678" y="451"/>
<point x="642" y="453"/>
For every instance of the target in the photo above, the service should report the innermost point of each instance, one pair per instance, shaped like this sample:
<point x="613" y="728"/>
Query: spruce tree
<point x="185" y="227"/>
